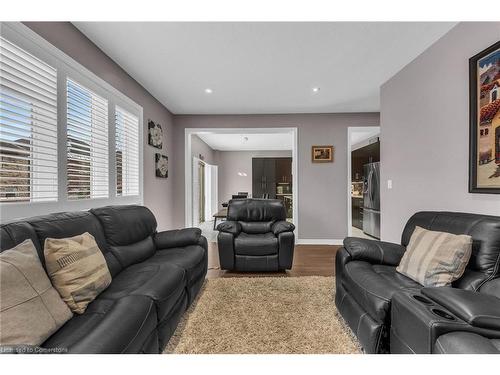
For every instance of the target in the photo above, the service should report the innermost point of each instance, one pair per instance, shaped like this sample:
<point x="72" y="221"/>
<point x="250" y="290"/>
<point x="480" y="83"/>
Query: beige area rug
<point x="284" y="315"/>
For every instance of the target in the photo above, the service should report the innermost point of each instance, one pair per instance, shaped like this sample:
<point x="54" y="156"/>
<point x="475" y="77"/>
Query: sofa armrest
<point x="178" y="238"/>
<point x="225" y="242"/>
<point x="477" y="309"/>
<point x="376" y="252"/>
<point x="228" y="226"/>
<point x="282" y="226"/>
<point x="464" y="343"/>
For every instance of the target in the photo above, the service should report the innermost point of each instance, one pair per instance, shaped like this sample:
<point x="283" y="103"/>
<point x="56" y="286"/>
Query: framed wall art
<point x="484" y="138"/>
<point x="155" y="134"/>
<point x="161" y="165"/>
<point x="322" y="154"/>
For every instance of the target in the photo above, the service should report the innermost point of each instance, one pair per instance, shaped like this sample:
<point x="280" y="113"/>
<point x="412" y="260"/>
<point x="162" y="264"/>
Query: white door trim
<point x="188" y="132"/>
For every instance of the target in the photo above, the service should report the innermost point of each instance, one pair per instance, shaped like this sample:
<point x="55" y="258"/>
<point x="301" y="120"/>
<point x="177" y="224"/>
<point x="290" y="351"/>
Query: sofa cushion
<point x="256" y="263"/>
<point x="30" y="308"/>
<point x="134" y="253"/>
<point x="192" y="259"/>
<point x="125" y="225"/>
<point x="256" y="244"/>
<point x="484" y="230"/>
<point x="435" y="258"/>
<point x="372" y="287"/>
<point x="77" y="269"/>
<point x="256" y="227"/>
<point x="163" y="283"/>
<point x="70" y="224"/>
<point x="256" y="210"/>
<point x="108" y="326"/>
<point x="13" y="234"/>
<point x="394" y="278"/>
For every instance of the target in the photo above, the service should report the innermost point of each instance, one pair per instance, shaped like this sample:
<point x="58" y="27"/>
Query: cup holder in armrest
<point x="422" y="299"/>
<point x="443" y="314"/>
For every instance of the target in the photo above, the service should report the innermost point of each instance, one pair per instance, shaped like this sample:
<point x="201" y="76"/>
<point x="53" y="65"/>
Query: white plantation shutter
<point x="28" y="126"/>
<point x="127" y="153"/>
<point x="87" y="143"/>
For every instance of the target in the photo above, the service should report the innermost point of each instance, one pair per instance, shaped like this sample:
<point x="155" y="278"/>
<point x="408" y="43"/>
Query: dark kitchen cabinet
<point x="284" y="170"/>
<point x="272" y="176"/>
<point x="357" y="212"/>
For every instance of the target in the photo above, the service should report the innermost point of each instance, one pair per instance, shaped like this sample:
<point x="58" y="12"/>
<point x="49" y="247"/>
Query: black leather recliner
<point x="155" y="276"/>
<point x="256" y="236"/>
<point x="367" y="281"/>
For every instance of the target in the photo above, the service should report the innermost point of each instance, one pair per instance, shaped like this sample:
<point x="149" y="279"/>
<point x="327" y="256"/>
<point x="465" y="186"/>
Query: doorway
<point x="204" y="192"/>
<point x="201" y="191"/>
<point x="363" y="176"/>
<point x="235" y="178"/>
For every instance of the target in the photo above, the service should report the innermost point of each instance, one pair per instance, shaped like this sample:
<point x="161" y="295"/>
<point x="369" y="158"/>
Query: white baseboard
<point x="318" y="242"/>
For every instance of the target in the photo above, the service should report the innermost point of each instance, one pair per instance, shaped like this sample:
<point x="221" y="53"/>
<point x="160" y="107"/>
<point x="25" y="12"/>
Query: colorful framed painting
<point x="322" y="154"/>
<point x="484" y="150"/>
<point x="155" y="134"/>
<point x="161" y="165"/>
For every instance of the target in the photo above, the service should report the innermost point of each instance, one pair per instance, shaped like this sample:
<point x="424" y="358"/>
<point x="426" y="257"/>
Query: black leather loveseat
<point x="389" y="312"/>
<point x="256" y="236"/>
<point x="156" y="275"/>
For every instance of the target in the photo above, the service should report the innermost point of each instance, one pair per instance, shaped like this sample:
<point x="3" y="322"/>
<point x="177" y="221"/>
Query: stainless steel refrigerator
<point x="371" y="199"/>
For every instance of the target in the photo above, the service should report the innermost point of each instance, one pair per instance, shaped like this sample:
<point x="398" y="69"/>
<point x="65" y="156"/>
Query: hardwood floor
<point x="308" y="260"/>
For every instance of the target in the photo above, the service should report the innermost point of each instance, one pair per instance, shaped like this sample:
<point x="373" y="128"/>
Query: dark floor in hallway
<point x="308" y="260"/>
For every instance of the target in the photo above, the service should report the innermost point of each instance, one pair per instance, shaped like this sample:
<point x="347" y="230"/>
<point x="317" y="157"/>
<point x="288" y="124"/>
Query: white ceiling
<point x="360" y="135"/>
<point x="254" y="142"/>
<point x="262" y="67"/>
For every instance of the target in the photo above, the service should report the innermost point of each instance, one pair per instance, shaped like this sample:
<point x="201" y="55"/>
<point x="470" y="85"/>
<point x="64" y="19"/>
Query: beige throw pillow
<point x="77" y="269"/>
<point x="31" y="310"/>
<point x="435" y="258"/>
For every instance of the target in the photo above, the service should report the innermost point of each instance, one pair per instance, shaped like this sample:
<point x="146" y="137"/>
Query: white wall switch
<point x="389" y="184"/>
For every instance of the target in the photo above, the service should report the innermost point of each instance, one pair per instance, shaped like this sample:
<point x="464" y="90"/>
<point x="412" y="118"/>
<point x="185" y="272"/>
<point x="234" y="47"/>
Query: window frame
<point x="67" y="67"/>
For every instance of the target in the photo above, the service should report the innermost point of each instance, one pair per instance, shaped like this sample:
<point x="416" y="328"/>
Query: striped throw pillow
<point x="77" y="269"/>
<point x="435" y="258"/>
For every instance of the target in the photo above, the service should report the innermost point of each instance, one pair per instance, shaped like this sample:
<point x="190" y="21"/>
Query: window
<point x="126" y="153"/>
<point x="87" y="143"/>
<point x="28" y="127"/>
<point x="68" y="140"/>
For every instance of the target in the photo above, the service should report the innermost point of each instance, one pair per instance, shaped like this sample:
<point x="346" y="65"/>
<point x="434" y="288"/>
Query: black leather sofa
<point x="156" y="275"/>
<point x="389" y="312"/>
<point x="475" y="340"/>
<point x="256" y="236"/>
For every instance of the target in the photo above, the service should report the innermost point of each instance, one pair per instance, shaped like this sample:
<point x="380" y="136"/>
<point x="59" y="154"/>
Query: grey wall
<point x="158" y="193"/>
<point x="425" y="131"/>
<point x="198" y="147"/>
<point x="322" y="187"/>
<point x="232" y="162"/>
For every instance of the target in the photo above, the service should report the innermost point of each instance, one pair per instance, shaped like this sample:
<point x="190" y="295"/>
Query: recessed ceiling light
<point x="315" y="89"/>
<point x="208" y="91"/>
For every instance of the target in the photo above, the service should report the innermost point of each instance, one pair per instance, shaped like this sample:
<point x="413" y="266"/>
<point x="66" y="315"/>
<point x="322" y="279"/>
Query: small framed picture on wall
<point x="161" y="165"/>
<point x="322" y="154"/>
<point x="155" y="134"/>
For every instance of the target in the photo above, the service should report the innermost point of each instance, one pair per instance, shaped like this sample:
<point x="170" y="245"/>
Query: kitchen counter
<point x="357" y="196"/>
